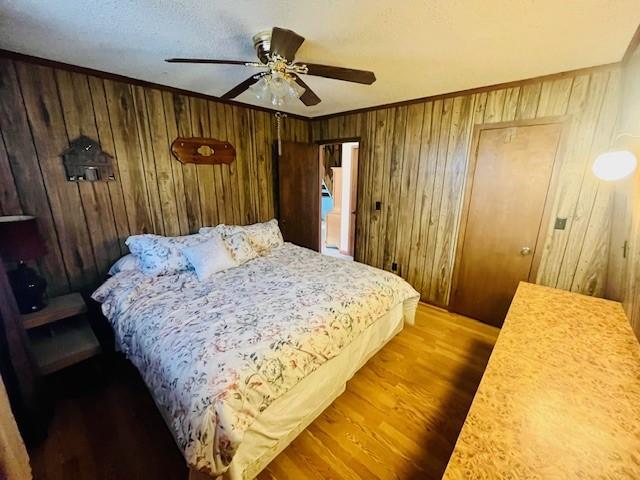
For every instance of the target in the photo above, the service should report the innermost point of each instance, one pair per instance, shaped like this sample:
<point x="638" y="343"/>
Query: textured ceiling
<point x="416" y="48"/>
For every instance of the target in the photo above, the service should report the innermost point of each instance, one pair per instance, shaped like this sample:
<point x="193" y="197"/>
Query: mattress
<point x="287" y="417"/>
<point x="218" y="355"/>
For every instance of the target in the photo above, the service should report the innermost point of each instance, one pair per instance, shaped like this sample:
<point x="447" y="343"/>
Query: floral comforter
<point x="217" y="353"/>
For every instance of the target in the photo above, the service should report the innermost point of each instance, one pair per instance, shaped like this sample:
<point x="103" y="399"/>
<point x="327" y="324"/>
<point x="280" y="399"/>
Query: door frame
<point x="333" y="141"/>
<point x="564" y="121"/>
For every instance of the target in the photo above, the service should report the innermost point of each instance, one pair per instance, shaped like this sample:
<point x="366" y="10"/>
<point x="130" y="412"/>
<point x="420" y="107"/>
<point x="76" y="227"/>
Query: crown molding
<point x="470" y="91"/>
<point x="21" y="57"/>
<point x="635" y="42"/>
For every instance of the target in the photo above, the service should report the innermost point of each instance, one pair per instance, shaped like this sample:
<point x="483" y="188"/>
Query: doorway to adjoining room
<point x="338" y="193"/>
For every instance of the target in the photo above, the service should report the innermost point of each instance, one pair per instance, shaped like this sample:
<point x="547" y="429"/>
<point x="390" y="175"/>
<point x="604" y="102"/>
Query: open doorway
<point x="338" y="195"/>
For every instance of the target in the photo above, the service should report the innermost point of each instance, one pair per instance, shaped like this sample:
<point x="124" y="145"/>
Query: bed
<point x="240" y="364"/>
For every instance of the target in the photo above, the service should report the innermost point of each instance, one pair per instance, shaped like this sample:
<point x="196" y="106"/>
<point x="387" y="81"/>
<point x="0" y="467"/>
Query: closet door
<point x="502" y="225"/>
<point x="299" y="194"/>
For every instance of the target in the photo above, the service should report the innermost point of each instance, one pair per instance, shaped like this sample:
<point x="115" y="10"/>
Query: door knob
<point x="524" y="251"/>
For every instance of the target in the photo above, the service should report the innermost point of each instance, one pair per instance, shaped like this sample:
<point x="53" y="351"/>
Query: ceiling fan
<point x="276" y="50"/>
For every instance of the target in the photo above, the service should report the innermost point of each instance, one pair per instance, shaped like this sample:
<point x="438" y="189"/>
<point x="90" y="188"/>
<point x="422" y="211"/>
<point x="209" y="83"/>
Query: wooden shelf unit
<point x="60" y="334"/>
<point x="58" y="308"/>
<point x="63" y="344"/>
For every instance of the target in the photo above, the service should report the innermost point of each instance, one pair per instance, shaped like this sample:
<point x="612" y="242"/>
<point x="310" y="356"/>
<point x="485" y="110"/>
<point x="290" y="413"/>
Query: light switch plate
<point x="560" y="224"/>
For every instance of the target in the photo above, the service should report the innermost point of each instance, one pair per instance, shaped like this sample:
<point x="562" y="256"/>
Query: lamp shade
<point x="614" y="165"/>
<point x="19" y="238"/>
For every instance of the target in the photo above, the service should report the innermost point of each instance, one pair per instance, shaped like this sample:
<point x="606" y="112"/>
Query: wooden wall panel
<point x="190" y="176"/>
<point x="79" y="119"/>
<point x="176" y="167"/>
<point x="420" y="178"/>
<point x="163" y="161"/>
<point x="624" y="277"/>
<point x="27" y="178"/>
<point x="44" y="112"/>
<point x="413" y="159"/>
<point x="105" y="136"/>
<point x="85" y="224"/>
<point x="9" y="201"/>
<point x="575" y="195"/>
<point x="200" y="127"/>
<point x="124" y="130"/>
<point x="218" y="131"/>
<point x="408" y="181"/>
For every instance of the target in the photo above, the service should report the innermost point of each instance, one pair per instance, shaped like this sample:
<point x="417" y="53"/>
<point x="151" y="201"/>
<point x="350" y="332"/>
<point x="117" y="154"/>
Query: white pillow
<point x="240" y="247"/>
<point x="209" y="257"/>
<point x="128" y="263"/>
<point x="263" y="236"/>
<point x="158" y="255"/>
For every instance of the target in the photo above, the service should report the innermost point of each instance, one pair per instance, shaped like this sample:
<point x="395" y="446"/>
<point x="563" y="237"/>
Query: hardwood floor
<point x="399" y="418"/>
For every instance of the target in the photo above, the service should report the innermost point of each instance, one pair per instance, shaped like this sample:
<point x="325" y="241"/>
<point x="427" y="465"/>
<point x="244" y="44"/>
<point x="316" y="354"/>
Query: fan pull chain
<point x="279" y="117"/>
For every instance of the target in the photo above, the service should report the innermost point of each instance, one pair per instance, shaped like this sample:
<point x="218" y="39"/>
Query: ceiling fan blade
<point x="339" y="73"/>
<point x="207" y="60"/>
<point x="285" y="43"/>
<point x="241" y="87"/>
<point x="308" y="97"/>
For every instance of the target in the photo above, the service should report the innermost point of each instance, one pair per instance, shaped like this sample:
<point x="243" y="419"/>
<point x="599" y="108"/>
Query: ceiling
<point x="417" y="48"/>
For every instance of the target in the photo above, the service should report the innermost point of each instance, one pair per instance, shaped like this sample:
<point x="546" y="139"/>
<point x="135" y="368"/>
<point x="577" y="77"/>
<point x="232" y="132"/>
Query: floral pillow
<point x="158" y="255"/>
<point x="263" y="236"/>
<point x="240" y="247"/>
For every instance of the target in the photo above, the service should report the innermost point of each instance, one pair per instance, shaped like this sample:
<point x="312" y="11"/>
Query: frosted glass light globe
<point x="613" y="166"/>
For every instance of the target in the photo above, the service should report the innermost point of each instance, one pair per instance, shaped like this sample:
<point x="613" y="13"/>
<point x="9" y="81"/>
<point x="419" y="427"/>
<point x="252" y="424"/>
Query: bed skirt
<point x="289" y="415"/>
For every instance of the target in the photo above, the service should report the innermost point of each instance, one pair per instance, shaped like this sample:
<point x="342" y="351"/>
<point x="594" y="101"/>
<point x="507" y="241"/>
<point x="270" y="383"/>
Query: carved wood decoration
<point x="84" y="160"/>
<point x="203" y="151"/>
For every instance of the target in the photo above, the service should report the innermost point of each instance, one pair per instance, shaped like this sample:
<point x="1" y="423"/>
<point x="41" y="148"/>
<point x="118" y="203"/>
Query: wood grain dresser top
<point x="560" y="397"/>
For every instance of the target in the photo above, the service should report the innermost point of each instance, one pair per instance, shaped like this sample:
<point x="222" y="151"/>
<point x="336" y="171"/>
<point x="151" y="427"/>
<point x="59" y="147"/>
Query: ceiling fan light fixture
<point x="295" y="90"/>
<point x="280" y="82"/>
<point x="276" y="87"/>
<point x="261" y="88"/>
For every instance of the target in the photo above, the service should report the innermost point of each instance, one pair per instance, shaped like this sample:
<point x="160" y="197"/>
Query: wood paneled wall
<point x="413" y="159"/>
<point x="85" y="224"/>
<point x="624" y="281"/>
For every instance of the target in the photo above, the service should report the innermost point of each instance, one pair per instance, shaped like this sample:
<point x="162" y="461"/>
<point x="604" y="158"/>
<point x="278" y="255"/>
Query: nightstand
<point x="60" y="334"/>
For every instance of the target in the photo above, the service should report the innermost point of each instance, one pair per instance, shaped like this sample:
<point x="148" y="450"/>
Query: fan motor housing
<point x="262" y="44"/>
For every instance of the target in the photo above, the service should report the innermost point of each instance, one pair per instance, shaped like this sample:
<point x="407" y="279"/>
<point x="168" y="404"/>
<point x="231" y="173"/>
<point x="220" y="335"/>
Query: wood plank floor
<point x="399" y="418"/>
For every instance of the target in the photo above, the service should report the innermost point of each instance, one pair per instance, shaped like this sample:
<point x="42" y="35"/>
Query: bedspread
<point x="215" y="354"/>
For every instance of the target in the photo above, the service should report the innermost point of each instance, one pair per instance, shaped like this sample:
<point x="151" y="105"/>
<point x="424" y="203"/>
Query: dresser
<point x="560" y="397"/>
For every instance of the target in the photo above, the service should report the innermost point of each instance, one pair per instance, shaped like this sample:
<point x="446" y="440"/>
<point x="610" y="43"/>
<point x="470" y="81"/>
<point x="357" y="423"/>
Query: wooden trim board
<point x="22" y="57"/>
<point x="334" y="141"/>
<point x="633" y="46"/>
<point x="470" y="91"/>
<point x="135" y="81"/>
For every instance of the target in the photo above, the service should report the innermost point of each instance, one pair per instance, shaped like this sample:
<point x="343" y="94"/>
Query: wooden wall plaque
<point x="203" y="151"/>
<point x="84" y="160"/>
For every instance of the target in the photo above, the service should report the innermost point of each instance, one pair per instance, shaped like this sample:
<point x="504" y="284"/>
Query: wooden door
<point x="504" y="216"/>
<point x="299" y="194"/>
